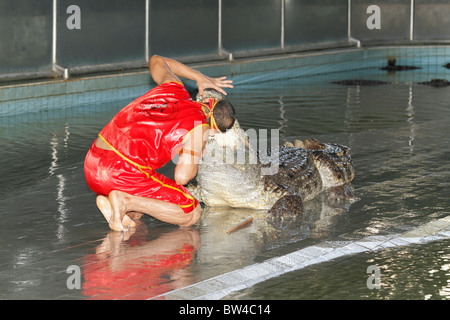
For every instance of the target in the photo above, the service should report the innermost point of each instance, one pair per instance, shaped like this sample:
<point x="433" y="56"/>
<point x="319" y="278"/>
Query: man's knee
<point x="193" y="217"/>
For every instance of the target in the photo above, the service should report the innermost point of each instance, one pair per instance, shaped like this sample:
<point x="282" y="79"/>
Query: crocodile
<point x="438" y="83"/>
<point x="361" y="82"/>
<point x="232" y="174"/>
<point x="392" y="66"/>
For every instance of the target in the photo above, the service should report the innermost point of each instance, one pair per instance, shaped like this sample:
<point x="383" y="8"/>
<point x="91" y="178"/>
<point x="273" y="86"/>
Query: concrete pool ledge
<point x="222" y="285"/>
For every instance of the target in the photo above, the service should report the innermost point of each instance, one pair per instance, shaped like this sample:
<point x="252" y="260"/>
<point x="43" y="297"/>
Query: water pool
<point x="399" y="139"/>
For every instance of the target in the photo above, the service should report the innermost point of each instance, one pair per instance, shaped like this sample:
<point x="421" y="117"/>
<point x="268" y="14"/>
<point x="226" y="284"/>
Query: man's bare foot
<point x="105" y="208"/>
<point x="119" y="221"/>
<point x="118" y="210"/>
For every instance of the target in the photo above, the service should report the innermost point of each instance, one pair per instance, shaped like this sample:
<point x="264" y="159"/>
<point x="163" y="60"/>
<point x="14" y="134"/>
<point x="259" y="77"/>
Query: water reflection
<point x="410" y="113"/>
<point x="129" y="266"/>
<point x="283" y="121"/>
<point x="416" y="272"/>
<point x="444" y="291"/>
<point x="55" y="145"/>
<point x="265" y="233"/>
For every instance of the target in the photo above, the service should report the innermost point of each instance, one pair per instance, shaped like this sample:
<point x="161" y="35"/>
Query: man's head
<point x="223" y="113"/>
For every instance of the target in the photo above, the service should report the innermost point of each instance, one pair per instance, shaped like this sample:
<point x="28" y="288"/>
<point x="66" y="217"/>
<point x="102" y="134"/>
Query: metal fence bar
<point x="56" y="68"/>
<point x="351" y="40"/>
<point x="221" y="50"/>
<point x="283" y="6"/>
<point x="349" y="19"/>
<point x="411" y="22"/>
<point x="54" y="31"/>
<point x="147" y="33"/>
<point x="219" y="22"/>
<point x="219" y="26"/>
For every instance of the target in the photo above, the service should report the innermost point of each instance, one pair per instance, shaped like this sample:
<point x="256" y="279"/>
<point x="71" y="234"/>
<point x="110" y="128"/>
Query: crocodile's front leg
<point x="286" y="206"/>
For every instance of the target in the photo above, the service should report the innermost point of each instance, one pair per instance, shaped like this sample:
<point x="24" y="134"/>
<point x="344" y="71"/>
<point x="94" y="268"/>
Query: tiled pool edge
<point x="222" y="285"/>
<point x="55" y="94"/>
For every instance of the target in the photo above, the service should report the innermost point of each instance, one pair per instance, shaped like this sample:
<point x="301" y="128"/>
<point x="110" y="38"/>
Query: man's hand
<point x="205" y="82"/>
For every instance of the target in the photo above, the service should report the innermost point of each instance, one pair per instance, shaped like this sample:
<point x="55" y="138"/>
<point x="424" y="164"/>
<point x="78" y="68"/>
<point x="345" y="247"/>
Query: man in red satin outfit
<point x="144" y="136"/>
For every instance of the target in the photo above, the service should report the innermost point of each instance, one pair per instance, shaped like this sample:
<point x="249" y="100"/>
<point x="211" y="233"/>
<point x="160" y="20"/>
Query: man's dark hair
<point x="224" y="114"/>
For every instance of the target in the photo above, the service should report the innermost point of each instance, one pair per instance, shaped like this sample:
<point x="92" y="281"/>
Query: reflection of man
<point x="127" y="266"/>
<point x="147" y="134"/>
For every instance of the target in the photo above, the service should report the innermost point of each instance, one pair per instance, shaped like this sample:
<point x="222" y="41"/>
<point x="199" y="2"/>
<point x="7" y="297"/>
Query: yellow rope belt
<point x="211" y="106"/>
<point x="142" y="168"/>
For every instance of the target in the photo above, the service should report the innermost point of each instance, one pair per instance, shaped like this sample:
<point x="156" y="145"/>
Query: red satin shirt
<point x="152" y="127"/>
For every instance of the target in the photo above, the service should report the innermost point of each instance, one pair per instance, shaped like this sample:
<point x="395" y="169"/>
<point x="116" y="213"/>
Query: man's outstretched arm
<point x="165" y="69"/>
